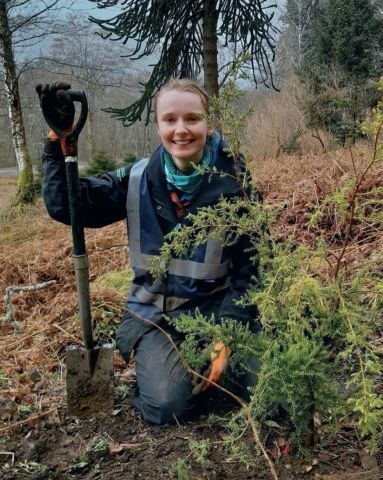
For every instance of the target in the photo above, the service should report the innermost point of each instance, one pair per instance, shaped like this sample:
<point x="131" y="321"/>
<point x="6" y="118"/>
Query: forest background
<point x="326" y="56"/>
<point x="308" y="147"/>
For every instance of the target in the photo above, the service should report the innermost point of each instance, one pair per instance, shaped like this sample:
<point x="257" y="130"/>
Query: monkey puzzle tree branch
<point x="183" y="33"/>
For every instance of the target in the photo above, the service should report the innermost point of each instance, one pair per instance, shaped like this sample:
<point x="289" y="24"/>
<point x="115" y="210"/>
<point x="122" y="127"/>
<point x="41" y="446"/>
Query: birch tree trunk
<point x="25" y="189"/>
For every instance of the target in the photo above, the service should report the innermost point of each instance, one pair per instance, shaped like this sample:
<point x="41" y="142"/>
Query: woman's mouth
<point x="182" y="142"/>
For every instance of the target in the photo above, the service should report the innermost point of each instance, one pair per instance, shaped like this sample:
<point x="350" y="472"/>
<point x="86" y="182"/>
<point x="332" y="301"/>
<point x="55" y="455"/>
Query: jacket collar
<point x="158" y="189"/>
<point x="208" y="193"/>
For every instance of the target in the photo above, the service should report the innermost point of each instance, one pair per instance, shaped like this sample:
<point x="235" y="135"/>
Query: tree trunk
<point x="90" y="136"/>
<point x="25" y="188"/>
<point x="210" y="47"/>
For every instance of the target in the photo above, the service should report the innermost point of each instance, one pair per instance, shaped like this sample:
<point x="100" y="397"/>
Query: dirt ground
<point x="38" y="441"/>
<point x="124" y="447"/>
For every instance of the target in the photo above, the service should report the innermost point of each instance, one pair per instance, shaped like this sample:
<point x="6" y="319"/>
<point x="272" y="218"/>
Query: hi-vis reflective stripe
<point x="211" y="268"/>
<point x="199" y="271"/>
<point x="144" y="296"/>
<point x="157" y="299"/>
<point x="133" y="209"/>
<point x="182" y="268"/>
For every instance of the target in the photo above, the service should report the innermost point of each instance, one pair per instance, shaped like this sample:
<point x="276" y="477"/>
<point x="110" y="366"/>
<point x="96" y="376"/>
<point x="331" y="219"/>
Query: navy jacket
<point x="104" y="202"/>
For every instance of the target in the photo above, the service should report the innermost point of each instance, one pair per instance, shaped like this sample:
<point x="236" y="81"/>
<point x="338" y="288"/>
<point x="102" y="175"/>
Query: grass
<point x="119" y="280"/>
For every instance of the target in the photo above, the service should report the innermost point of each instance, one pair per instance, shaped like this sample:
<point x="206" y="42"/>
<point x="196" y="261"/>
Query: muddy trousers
<point x="164" y="391"/>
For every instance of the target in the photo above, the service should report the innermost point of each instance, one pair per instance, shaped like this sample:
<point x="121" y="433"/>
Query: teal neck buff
<point x="186" y="183"/>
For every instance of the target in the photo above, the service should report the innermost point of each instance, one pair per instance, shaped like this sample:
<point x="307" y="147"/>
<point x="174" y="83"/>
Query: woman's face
<point x="182" y="129"/>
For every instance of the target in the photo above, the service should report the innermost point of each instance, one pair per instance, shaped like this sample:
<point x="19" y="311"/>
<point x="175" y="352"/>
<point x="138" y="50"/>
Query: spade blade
<point x="90" y="381"/>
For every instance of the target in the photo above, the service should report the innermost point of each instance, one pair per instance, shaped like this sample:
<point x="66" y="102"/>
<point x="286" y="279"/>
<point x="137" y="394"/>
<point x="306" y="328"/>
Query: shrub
<point x="99" y="165"/>
<point x="128" y="159"/>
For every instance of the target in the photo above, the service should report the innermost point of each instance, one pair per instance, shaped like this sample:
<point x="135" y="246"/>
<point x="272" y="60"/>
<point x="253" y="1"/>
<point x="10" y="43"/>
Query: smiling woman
<point x="181" y="127"/>
<point x="156" y="196"/>
<point x="178" y="111"/>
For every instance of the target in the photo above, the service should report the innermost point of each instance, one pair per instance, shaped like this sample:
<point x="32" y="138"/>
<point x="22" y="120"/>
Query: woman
<point x="156" y="196"/>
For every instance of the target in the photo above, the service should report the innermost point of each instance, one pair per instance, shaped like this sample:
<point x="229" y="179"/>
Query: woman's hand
<point x="57" y="105"/>
<point x="216" y="367"/>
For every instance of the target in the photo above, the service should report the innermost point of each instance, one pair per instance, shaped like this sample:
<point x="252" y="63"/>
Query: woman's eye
<point x="168" y="120"/>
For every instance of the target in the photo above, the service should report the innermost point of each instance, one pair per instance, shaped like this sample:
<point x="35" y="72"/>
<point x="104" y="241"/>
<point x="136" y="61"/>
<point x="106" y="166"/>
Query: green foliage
<point x="317" y="315"/>
<point x="200" y="451"/>
<point x="235" y="448"/>
<point x="100" y="165"/>
<point x="347" y="39"/>
<point x="25" y="410"/>
<point x="5" y="382"/>
<point x="107" y="316"/>
<point x="337" y="120"/>
<point x="292" y="144"/>
<point x="106" y="322"/>
<point x="128" y="159"/>
<point x="119" y="280"/>
<point x="200" y="330"/>
<point x="182" y="469"/>
<point x="345" y="34"/>
<point x="81" y="461"/>
<point x="29" y="468"/>
<point x="98" y="444"/>
<point x="25" y="193"/>
<point x="4" y="440"/>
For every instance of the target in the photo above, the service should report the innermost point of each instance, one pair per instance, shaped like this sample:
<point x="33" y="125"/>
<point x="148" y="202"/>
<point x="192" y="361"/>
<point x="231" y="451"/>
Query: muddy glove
<point x="57" y="105"/>
<point x="216" y="366"/>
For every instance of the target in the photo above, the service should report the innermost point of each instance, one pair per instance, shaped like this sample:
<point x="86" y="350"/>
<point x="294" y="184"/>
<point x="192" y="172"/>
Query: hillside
<point x="38" y="441"/>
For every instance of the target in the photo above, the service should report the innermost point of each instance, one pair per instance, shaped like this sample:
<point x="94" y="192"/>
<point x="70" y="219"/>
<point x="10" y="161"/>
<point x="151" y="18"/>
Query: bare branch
<point x="32" y="17"/>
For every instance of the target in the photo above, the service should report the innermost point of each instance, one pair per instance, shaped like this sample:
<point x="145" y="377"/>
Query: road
<point x="7" y="172"/>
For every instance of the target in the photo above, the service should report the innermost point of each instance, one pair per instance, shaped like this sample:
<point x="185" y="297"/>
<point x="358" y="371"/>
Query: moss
<point x="25" y="193"/>
<point x="117" y="280"/>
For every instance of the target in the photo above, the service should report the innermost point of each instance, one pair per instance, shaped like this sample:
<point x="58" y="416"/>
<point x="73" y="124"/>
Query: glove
<point x="214" y="370"/>
<point x="57" y="106"/>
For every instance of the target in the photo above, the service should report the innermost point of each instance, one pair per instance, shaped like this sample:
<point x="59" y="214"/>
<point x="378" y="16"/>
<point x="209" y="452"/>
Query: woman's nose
<point x="181" y="127"/>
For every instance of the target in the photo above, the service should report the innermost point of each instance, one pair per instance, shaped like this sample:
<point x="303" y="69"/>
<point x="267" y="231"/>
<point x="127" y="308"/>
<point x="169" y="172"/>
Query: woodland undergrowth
<point x="316" y="357"/>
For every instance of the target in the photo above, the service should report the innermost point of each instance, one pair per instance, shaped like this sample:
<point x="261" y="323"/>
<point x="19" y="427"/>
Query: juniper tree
<point x="185" y="34"/>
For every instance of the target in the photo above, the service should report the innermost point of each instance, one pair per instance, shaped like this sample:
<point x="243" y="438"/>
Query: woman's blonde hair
<point x="182" y="85"/>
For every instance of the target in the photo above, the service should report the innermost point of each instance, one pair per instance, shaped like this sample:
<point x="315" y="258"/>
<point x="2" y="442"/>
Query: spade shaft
<point x="89" y="374"/>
